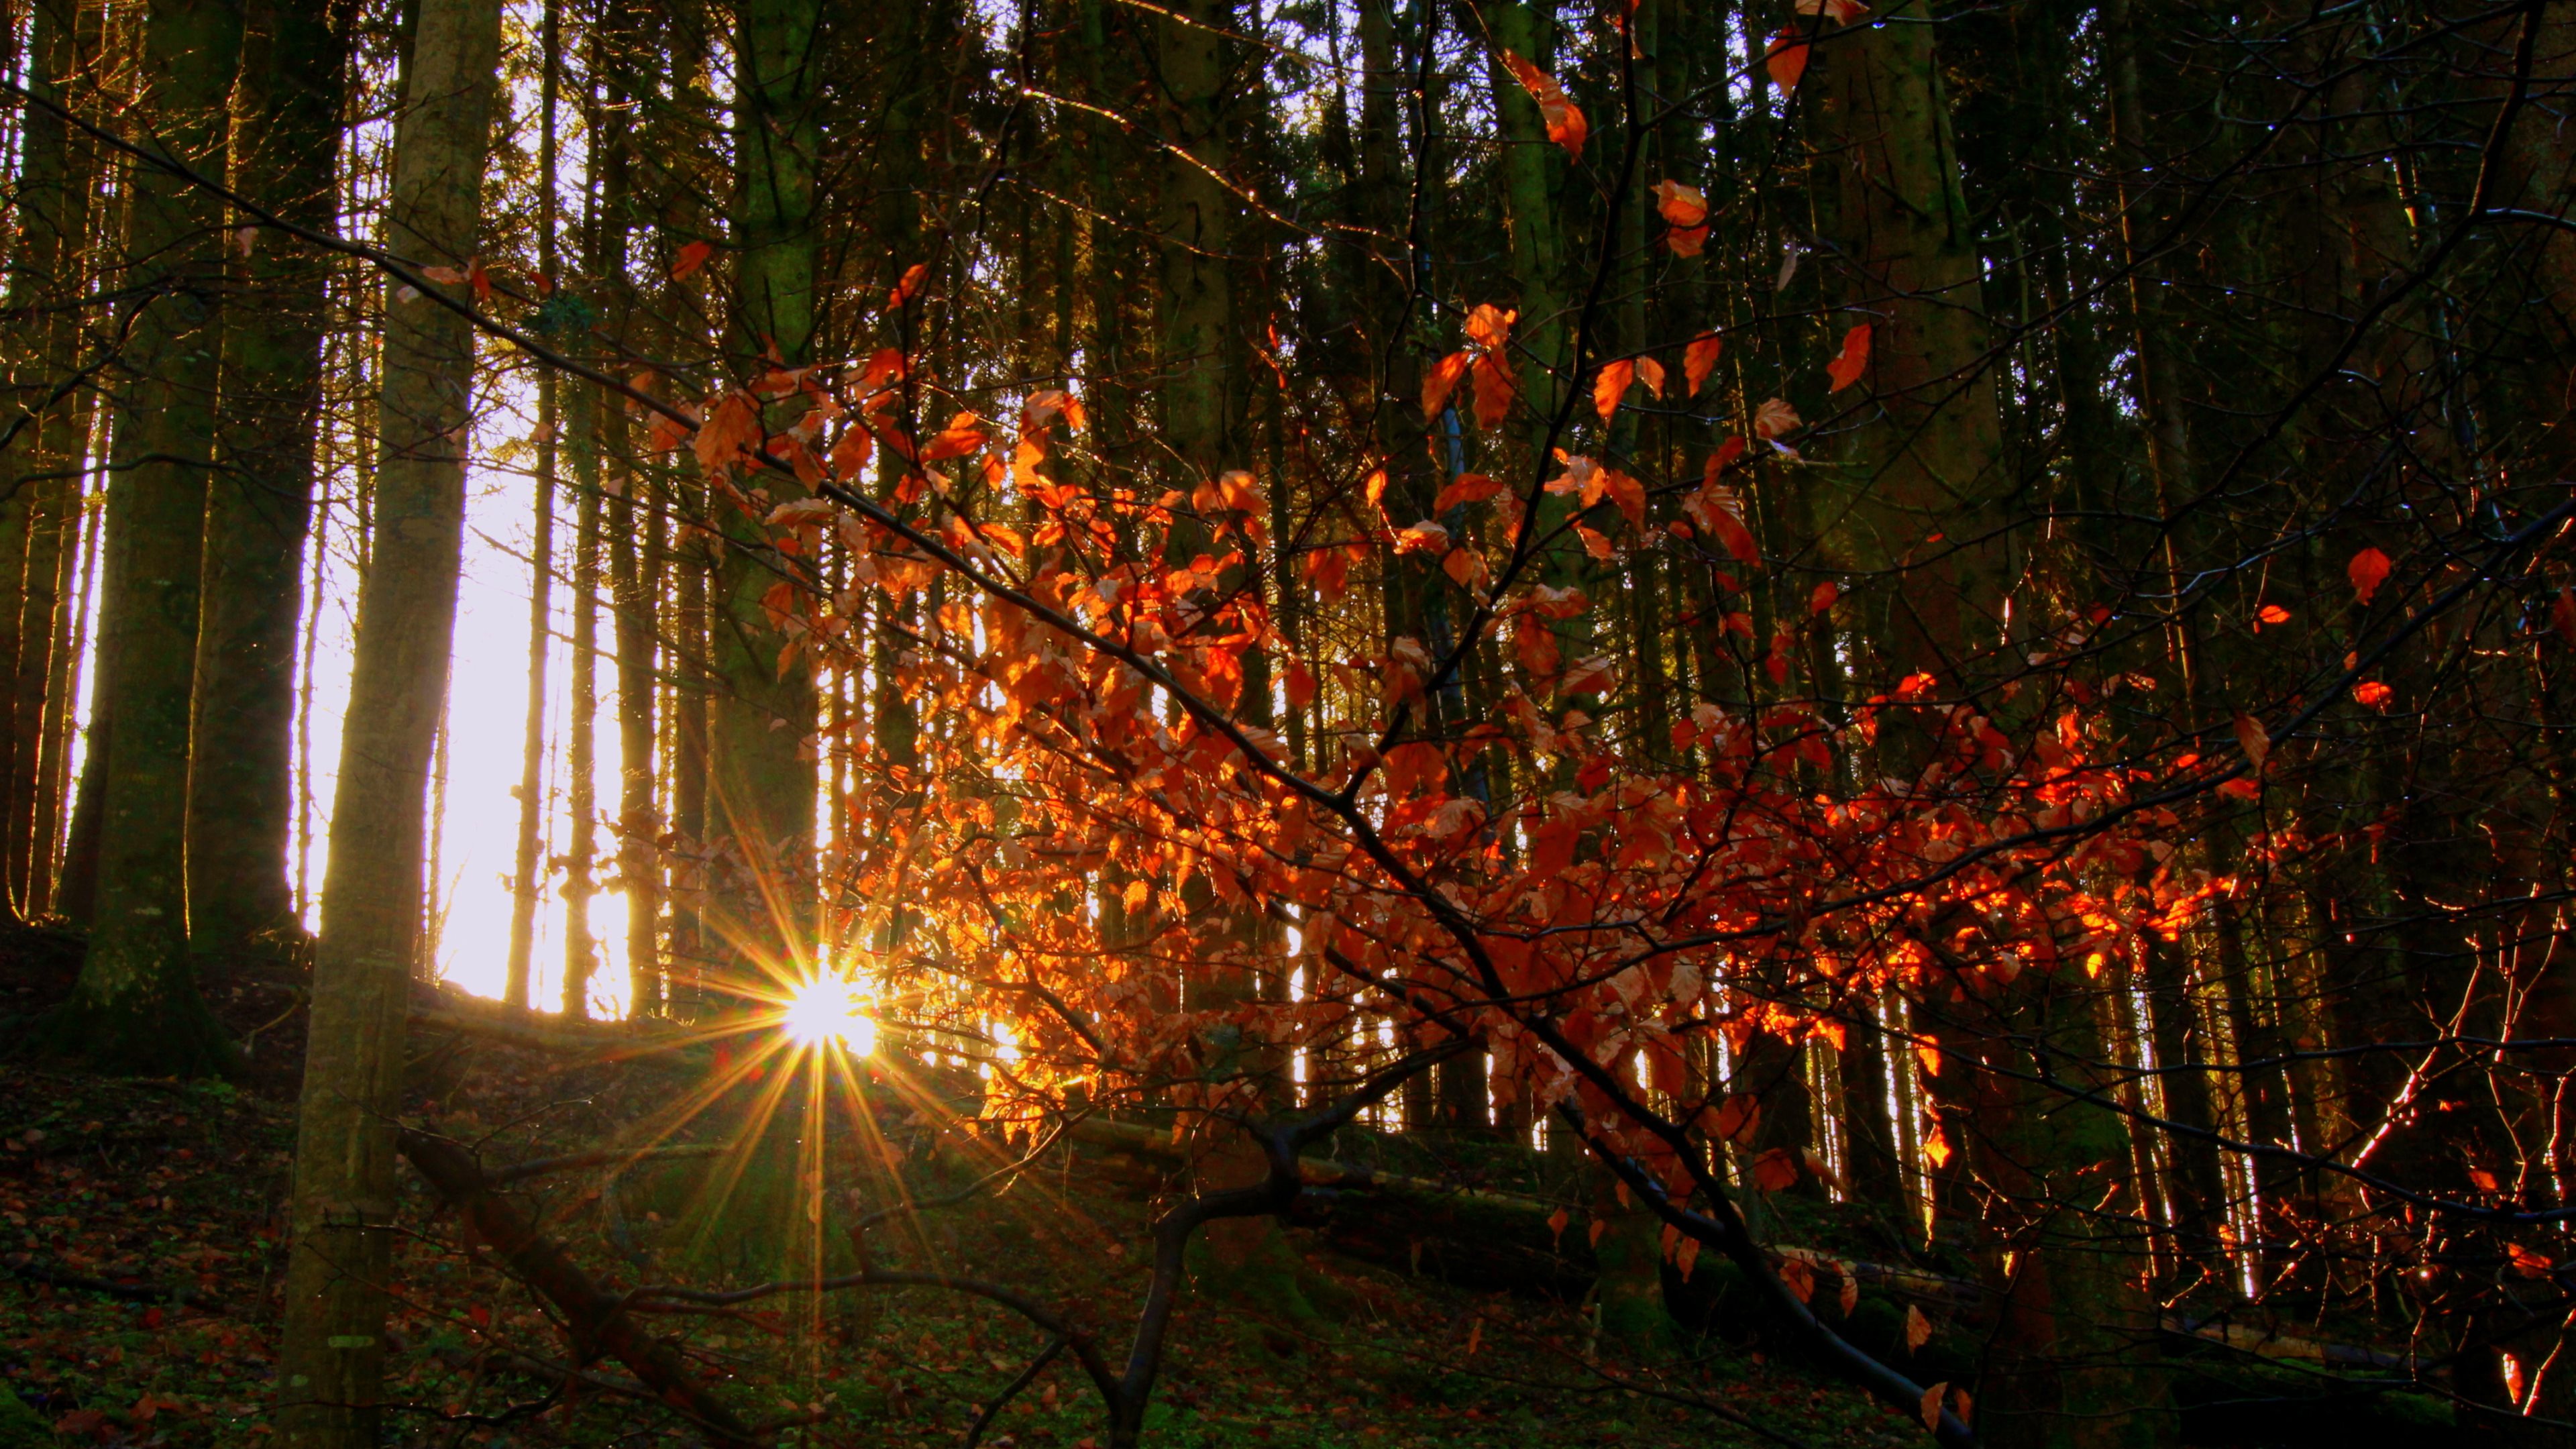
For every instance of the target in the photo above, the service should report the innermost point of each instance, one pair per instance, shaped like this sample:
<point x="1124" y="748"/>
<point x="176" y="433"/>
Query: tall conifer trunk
<point x="527" y="874"/>
<point x="136" y="1006"/>
<point x="285" y="143"/>
<point x="331" y="1363"/>
<point x="635" y="569"/>
<point x="761" y="778"/>
<point x="43" y="469"/>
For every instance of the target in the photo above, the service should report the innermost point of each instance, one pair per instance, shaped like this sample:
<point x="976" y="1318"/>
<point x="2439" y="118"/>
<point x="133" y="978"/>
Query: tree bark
<point x="44" y="468"/>
<point x="761" y="779"/>
<point x="330" y="1370"/>
<point x="136" y="1006"/>
<point x="526" y="875"/>
<point x="259" y="508"/>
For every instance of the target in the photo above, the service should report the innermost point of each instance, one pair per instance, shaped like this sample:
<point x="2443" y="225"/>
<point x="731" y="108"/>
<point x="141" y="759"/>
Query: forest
<point x="1119" y="723"/>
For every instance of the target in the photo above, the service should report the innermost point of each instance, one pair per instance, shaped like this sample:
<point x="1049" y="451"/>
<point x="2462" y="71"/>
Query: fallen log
<point x="442" y="1009"/>
<point x="1475" y="1237"/>
<point x="598" y="1318"/>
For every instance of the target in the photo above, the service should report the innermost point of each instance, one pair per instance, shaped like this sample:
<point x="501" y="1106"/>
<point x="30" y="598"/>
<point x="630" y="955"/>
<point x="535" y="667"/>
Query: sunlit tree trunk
<point x="331" y="1362"/>
<point x="136" y="1005"/>
<point x="760" y="777"/>
<point x="527" y="877"/>
<point x="581" y="734"/>
<point x="285" y="140"/>
<point x="71" y="625"/>
<point x="635" y="567"/>
<point x="43" y="467"/>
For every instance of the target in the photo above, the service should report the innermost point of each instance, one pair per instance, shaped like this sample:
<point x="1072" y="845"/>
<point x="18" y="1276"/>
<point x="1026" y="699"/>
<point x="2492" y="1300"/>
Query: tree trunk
<point x="46" y="464"/>
<point x="136" y="1006"/>
<point x="635" y="568"/>
<point x="526" y="878"/>
<point x="1929" y="463"/>
<point x="581" y="749"/>
<point x="259" y="508"/>
<point x="761" y="780"/>
<point x="331" y="1364"/>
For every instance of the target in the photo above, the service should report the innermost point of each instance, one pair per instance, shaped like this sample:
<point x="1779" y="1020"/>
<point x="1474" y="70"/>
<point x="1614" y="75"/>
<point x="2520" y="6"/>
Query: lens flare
<point x="829" y="1010"/>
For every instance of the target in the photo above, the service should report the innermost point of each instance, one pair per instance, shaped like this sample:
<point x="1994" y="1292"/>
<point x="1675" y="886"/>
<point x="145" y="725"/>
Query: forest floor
<point x="142" y="1234"/>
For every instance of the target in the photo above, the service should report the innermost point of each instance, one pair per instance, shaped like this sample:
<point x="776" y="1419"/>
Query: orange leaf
<point x="1699" y="358"/>
<point x="1565" y="123"/>
<point x="1798" y="1278"/>
<point x="1775" y="417"/>
<point x="1443" y="380"/>
<point x="2526" y="1262"/>
<point x="1733" y="1120"/>
<point x="1932" y="1406"/>
<point x="908" y="287"/>
<point x="1489" y="326"/>
<point x="1823" y="597"/>
<point x="1611" y="386"/>
<point x="2373" y="693"/>
<point x="1556" y="1222"/>
<point x="1775" y="1169"/>
<point x="1651" y="373"/>
<point x="1852" y="361"/>
<point x="1918" y="1329"/>
<point x="963" y="435"/>
<point x="1714" y="508"/>
<point x="1465" y="488"/>
<point x="1465" y="568"/>
<point x="1681" y="205"/>
<point x="1787" y="59"/>
<point x="2257" y="741"/>
<point x="1596" y="675"/>
<point x="1628" y="494"/>
<point x="444" y="276"/>
<point x="2368" y="570"/>
<point x="691" y="257"/>
<point x="1686" y="1257"/>
<point x="2271" y="614"/>
<point x="1686" y="241"/>
<point x="1329" y="570"/>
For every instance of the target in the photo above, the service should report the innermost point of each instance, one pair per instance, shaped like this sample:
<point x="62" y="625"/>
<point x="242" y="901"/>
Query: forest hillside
<point x="1121" y="723"/>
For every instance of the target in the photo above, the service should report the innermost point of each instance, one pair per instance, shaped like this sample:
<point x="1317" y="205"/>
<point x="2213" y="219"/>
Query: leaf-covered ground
<point x="142" y="1229"/>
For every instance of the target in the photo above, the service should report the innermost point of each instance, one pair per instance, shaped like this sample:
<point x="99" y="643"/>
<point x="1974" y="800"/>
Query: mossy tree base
<point x="163" y="1034"/>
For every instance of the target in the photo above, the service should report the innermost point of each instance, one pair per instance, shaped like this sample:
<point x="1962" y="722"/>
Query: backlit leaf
<point x="2254" y="739"/>
<point x="1852" y="361"/>
<point x="1699" y="358"/>
<point x="1774" y="418"/>
<point x="1442" y="380"/>
<point x="1465" y="488"/>
<point x="1786" y="60"/>
<point x="1565" y="123"/>
<point x="1611" y="386"/>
